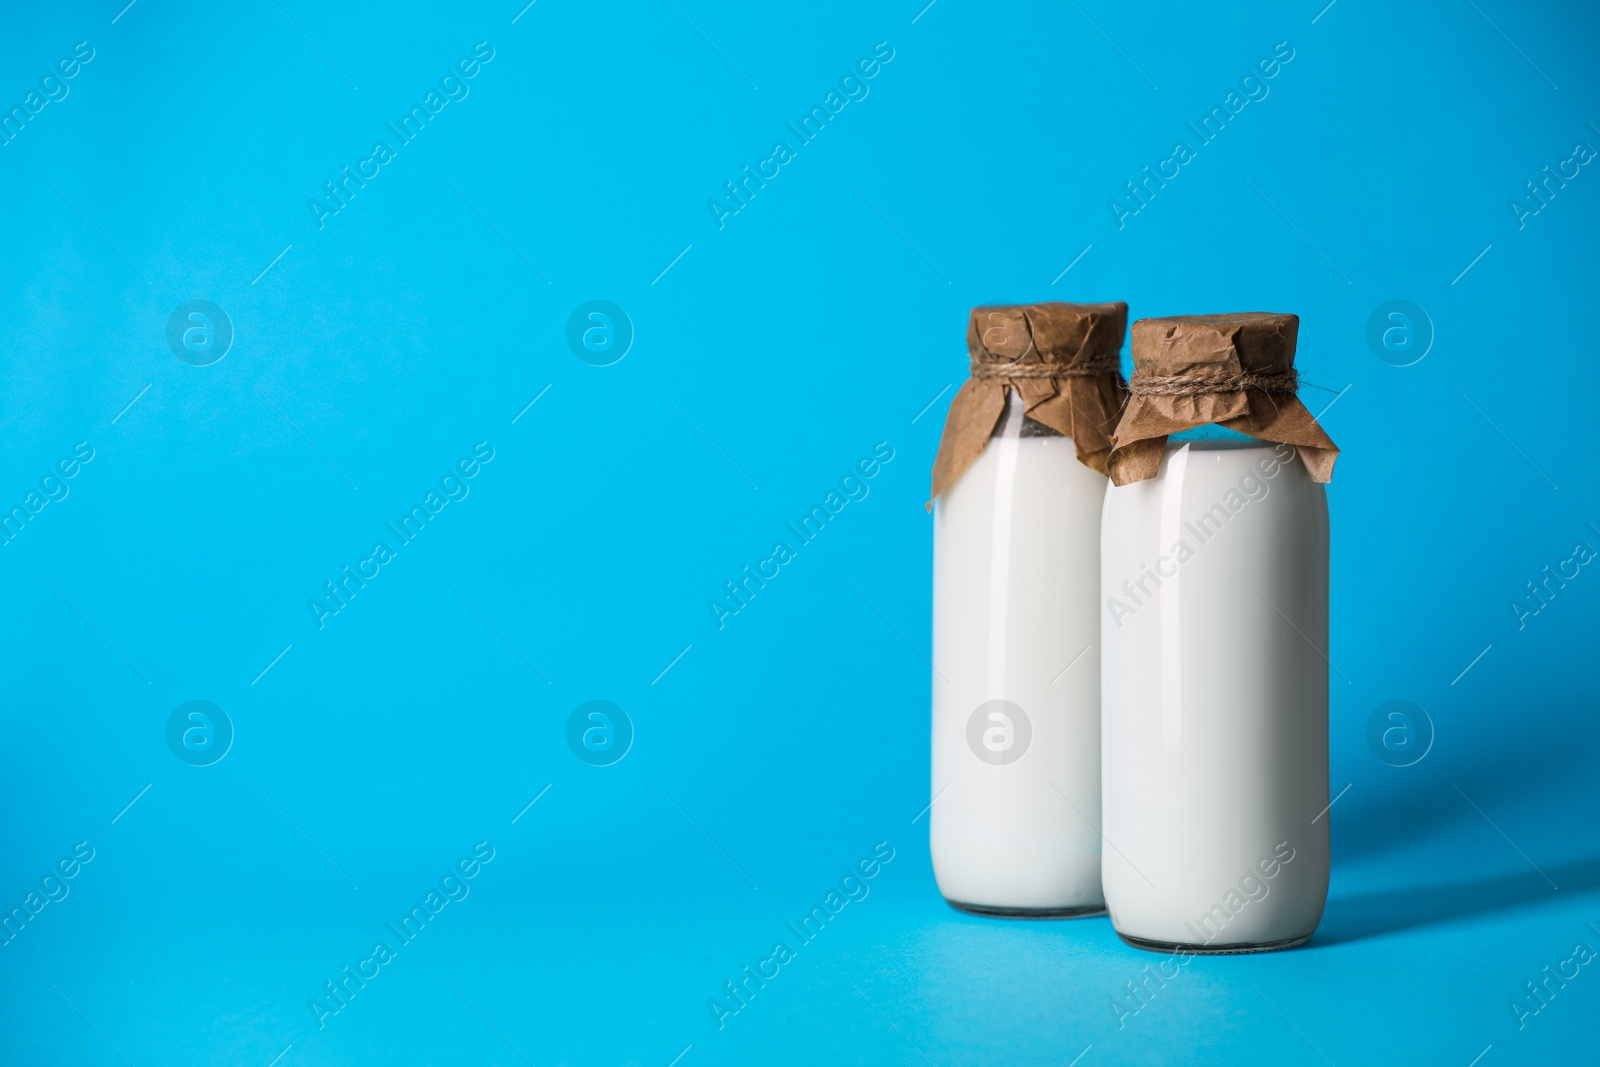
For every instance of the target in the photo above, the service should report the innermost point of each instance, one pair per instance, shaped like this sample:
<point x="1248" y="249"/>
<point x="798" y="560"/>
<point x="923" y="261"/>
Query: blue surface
<point x="378" y="345"/>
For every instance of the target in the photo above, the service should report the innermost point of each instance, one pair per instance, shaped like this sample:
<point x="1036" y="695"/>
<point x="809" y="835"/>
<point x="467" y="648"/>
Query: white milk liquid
<point x="1016" y="588"/>
<point x="1215" y="718"/>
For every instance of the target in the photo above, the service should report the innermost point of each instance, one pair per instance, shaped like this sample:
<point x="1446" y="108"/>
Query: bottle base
<point x="999" y="911"/>
<point x="1240" y="949"/>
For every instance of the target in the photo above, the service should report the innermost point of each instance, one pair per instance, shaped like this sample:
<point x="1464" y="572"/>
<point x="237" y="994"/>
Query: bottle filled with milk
<point x="1018" y="486"/>
<point x="1214" y="638"/>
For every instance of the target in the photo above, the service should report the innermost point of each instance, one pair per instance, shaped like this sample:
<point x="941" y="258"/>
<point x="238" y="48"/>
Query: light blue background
<point x="825" y="317"/>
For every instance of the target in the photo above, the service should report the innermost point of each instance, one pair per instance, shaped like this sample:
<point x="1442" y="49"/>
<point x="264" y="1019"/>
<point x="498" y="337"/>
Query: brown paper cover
<point x="1061" y="359"/>
<point x="1236" y="371"/>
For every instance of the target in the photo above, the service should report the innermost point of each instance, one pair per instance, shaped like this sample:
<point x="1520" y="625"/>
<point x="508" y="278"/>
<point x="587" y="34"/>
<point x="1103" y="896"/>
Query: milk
<point x="1016" y="687"/>
<point x="1214" y="620"/>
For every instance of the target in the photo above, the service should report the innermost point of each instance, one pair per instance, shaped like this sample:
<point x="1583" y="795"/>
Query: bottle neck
<point x="1014" y="421"/>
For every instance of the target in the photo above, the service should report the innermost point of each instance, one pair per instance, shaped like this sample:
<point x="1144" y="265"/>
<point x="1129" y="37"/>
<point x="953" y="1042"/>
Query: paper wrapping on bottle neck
<point x="1234" y="371"/>
<point x="1060" y="359"/>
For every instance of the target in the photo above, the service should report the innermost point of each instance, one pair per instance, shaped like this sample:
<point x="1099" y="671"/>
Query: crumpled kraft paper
<point x="1236" y="371"/>
<point x="1062" y="359"/>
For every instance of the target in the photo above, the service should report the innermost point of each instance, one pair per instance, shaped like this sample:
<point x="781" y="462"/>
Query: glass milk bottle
<point x="1018" y="487"/>
<point x="1214" y="637"/>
